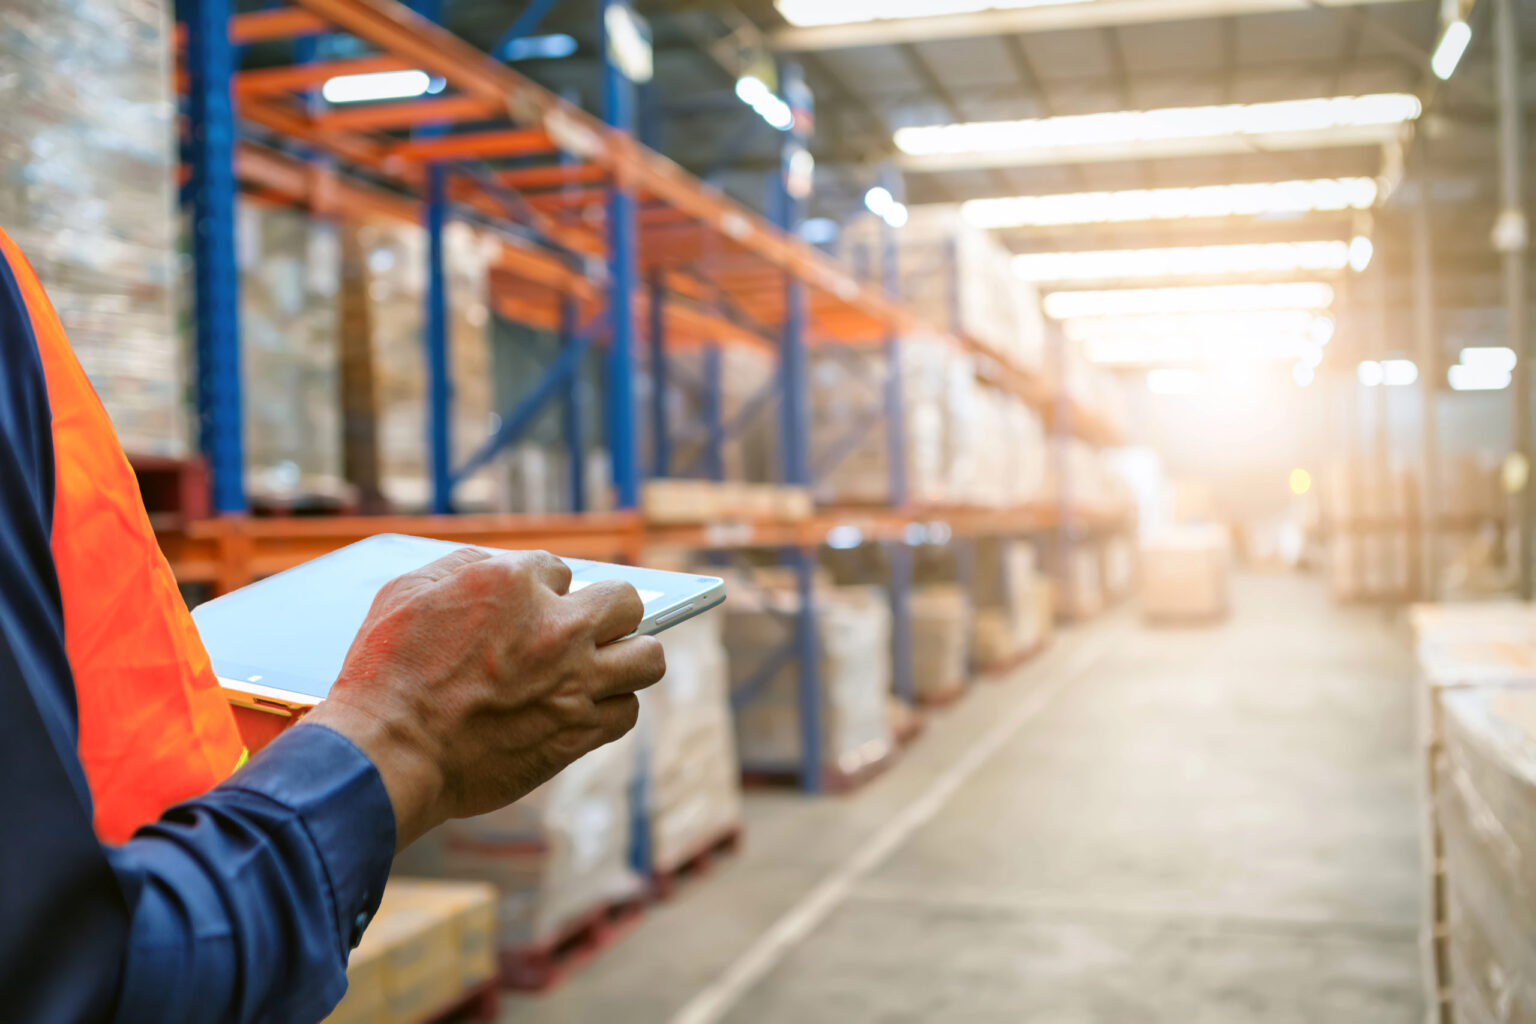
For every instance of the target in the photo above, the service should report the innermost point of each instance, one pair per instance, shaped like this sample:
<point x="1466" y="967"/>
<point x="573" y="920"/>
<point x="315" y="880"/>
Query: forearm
<point x="245" y="902"/>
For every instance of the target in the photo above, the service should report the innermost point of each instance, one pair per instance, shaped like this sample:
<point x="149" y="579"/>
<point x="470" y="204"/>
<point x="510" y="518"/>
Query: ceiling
<point x="864" y="93"/>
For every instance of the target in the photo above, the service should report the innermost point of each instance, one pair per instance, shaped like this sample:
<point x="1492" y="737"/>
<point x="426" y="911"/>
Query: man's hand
<point x="477" y="678"/>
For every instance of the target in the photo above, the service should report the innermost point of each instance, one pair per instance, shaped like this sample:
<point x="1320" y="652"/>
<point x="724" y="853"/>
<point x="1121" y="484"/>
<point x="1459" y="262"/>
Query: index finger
<point x="612" y="607"/>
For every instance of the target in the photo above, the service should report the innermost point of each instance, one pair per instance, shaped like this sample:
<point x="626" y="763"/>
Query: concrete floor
<point x="1196" y="825"/>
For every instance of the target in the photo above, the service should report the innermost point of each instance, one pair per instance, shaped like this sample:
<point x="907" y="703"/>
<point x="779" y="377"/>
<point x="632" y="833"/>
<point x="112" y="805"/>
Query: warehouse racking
<point x="677" y="266"/>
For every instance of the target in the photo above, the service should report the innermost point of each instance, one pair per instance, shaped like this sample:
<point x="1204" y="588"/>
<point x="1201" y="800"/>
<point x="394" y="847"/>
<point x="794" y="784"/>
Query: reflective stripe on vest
<point x="154" y="727"/>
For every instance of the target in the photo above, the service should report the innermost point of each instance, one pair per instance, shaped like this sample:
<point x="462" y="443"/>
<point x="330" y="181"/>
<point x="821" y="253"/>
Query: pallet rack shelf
<point x="674" y="264"/>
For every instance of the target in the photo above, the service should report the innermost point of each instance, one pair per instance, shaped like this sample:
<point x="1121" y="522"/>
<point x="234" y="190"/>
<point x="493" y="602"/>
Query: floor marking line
<point x="715" y="1000"/>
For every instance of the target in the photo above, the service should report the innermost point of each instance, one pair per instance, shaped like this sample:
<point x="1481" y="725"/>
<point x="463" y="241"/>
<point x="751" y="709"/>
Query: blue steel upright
<point x="572" y="414"/>
<point x="623" y="274"/>
<point x="713" y="414"/>
<point x="900" y="554"/>
<point x="216" y="300"/>
<point x="439" y="381"/>
<point x="794" y="380"/>
<point x="661" y="443"/>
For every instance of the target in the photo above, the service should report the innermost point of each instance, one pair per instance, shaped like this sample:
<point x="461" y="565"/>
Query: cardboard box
<point x="1185" y="574"/>
<point x="429" y="945"/>
<point x="940" y="626"/>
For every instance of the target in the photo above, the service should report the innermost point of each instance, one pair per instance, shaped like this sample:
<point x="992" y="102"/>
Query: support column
<point x="439" y="378"/>
<point x="216" y="297"/>
<point x="623" y="279"/>
<point x="1510" y="239"/>
<point x="1429" y="382"/>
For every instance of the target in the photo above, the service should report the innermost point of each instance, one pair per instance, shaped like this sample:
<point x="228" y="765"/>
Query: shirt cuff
<point x="341" y="800"/>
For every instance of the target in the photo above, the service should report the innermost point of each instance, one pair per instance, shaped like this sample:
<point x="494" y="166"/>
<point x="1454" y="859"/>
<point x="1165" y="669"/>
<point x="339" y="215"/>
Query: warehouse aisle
<point x="1196" y="825"/>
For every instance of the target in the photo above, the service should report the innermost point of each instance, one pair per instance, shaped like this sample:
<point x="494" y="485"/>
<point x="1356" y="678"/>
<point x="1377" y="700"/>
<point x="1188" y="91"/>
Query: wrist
<point x="411" y="774"/>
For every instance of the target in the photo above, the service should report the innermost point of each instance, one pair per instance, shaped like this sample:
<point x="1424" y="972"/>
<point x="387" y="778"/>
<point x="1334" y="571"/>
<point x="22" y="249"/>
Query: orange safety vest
<point x="154" y="726"/>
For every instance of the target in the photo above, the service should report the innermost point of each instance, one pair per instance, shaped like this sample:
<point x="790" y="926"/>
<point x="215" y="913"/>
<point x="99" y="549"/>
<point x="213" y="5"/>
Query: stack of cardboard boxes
<point x="431" y="944"/>
<point x="692" y="782"/>
<point x="1477" y="732"/>
<point x="556" y="857"/>
<point x="853" y="636"/>
<point x="941" y="618"/>
<point x="1185" y="574"/>
<point x="87" y="191"/>
<point x="1014" y="611"/>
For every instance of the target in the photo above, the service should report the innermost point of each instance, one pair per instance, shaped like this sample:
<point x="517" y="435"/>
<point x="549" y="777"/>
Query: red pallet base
<point x="539" y="968"/>
<point x="942" y="698"/>
<point x="664" y="884"/>
<point x="479" y="1005"/>
<point x="833" y="780"/>
<point x="1005" y="665"/>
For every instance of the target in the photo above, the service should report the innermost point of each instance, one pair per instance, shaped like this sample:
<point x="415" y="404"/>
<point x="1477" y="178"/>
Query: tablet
<point x="279" y="643"/>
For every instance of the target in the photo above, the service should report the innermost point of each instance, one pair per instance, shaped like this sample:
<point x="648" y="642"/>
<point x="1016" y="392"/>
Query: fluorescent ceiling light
<point x="1398" y="373"/>
<point x="1302" y="374"/>
<point x="380" y="85"/>
<point x="1370" y="373"/>
<point x="1360" y="252"/>
<point x="754" y="92"/>
<point x="1490" y="359"/>
<point x="1176" y="131"/>
<point x="1278" y="257"/>
<point x="1173" y="382"/>
<point x="1184" y="350"/>
<point x="547" y="47"/>
<point x="1291" y="324"/>
<point x="1263" y="199"/>
<point x="1477" y="378"/>
<point x="884" y="205"/>
<point x="1453" y="43"/>
<point x="1211" y="299"/>
<point x="811" y="13"/>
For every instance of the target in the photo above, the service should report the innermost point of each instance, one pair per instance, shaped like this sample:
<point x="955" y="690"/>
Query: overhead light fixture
<point x="1360" y="252"/>
<point x="1175" y="131"/>
<point x="1370" y="374"/>
<point x="1228" y="298"/>
<point x="754" y="92"/>
<point x="1298" y="325"/>
<point x="815" y="13"/>
<point x="1164" y="350"/>
<point x="1303" y="375"/>
<point x="1477" y="378"/>
<point x="1489" y="359"/>
<point x="1398" y="373"/>
<point x="1260" y="199"/>
<point x="1321" y="330"/>
<point x="1272" y="258"/>
<point x="1173" y="382"/>
<point x="1301" y="480"/>
<point x="882" y="204"/>
<point x="818" y="230"/>
<point x="547" y="47"/>
<point x="379" y="85"/>
<point x="1453" y="43"/>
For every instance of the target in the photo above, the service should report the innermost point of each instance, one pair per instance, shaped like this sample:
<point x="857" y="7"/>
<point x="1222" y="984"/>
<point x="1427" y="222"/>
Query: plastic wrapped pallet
<point x="940" y="615"/>
<point x="1185" y="574"/>
<point x="853" y="634"/>
<point x="556" y="856"/>
<point x="396" y="256"/>
<point x="693" y="785"/>
<point x="956" y="277"/>
<point x="289" y="265"/>
<point x="87" y="190"/>
<point x="1487" y="806"/>
<point x="1084" y="589"/>
<point x="1007" y="621"/>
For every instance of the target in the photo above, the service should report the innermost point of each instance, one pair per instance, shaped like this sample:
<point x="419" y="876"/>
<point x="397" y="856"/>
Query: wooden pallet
<point x="833" y="780"/>
<point x="539" y="968"/>
<point x="942" y="698"/>
<point x="480" y="1005"/>
<point x="665" y="884"/>
<point x="1002" y="666"/>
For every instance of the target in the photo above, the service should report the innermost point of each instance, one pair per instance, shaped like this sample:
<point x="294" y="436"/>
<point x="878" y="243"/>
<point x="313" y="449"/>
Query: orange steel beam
<point x="287" y="120"/>
<point x="543" y="269"/>
<point x="514" y="142"/>
<point x="549" y="177"/>
<point x="260" y="167"/>
<point x="279" y="23"/>
<point x="411" y="112"/>
<point x="267" y="81"/>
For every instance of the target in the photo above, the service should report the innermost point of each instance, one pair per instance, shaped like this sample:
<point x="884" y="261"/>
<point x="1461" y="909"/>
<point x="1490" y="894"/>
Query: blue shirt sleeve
<point x="240" y="905"/>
